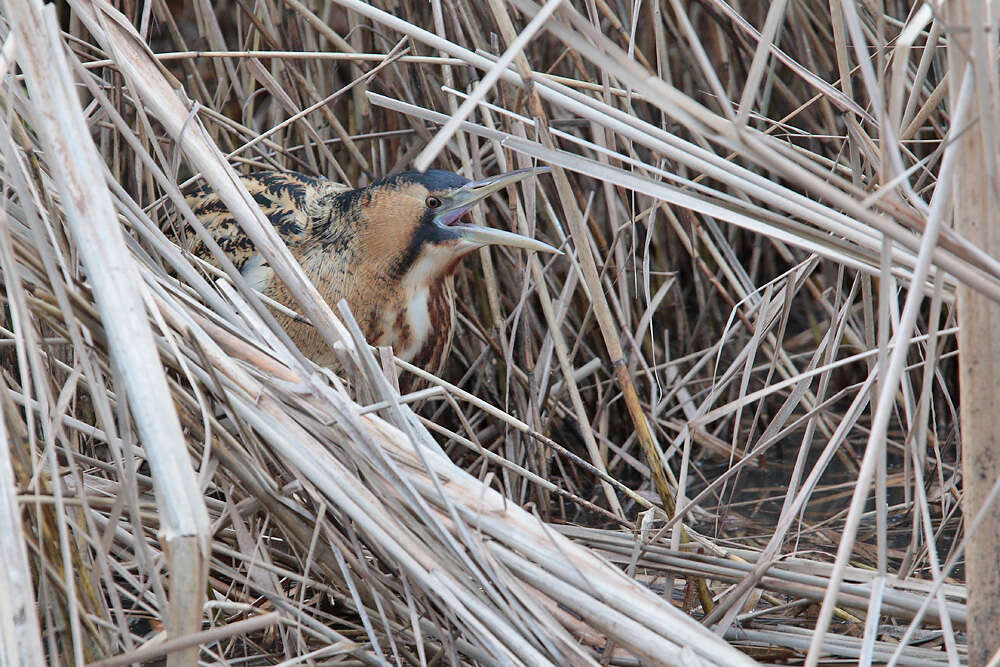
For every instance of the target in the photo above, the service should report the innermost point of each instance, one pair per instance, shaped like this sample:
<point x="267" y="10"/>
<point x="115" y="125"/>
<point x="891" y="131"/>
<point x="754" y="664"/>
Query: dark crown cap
<point x="434" y="180"/>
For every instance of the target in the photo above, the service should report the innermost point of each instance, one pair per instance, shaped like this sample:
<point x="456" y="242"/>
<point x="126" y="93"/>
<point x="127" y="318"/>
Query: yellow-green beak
<point x="461" y="200"/>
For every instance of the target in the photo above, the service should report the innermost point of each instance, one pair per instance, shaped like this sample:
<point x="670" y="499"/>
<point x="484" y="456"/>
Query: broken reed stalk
<point x="91" y="218"/>
<point x="977" y="217"/>
<point x="20" y="634"/>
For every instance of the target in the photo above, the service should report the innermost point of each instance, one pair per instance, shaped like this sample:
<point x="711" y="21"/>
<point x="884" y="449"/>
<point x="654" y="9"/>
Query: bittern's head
<point x="415" y="221"/>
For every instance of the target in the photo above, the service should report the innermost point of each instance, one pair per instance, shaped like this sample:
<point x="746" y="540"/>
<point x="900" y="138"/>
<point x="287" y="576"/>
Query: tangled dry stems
<point x="735" y="268"/>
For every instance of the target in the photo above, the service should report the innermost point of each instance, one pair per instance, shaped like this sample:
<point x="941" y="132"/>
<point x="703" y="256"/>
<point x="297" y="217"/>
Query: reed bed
<point x="643" y="451"/>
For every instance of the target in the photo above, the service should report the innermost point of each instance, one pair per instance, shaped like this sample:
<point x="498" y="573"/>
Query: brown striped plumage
<point x="389" y="249"/>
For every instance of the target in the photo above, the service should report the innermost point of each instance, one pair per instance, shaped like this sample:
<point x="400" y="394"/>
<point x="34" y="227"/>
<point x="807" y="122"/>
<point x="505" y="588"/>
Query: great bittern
<point x="390" y="249"/>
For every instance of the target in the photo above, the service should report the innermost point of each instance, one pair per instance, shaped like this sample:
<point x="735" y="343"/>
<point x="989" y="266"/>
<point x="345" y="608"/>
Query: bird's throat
<point x="421" y="324"/>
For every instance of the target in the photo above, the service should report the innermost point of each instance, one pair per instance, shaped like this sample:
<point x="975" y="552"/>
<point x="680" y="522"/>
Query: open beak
<point x="461" y="200"/>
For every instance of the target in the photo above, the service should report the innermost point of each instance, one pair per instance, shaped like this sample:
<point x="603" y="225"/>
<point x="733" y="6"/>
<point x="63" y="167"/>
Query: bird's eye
<point x="432" y="202"/>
